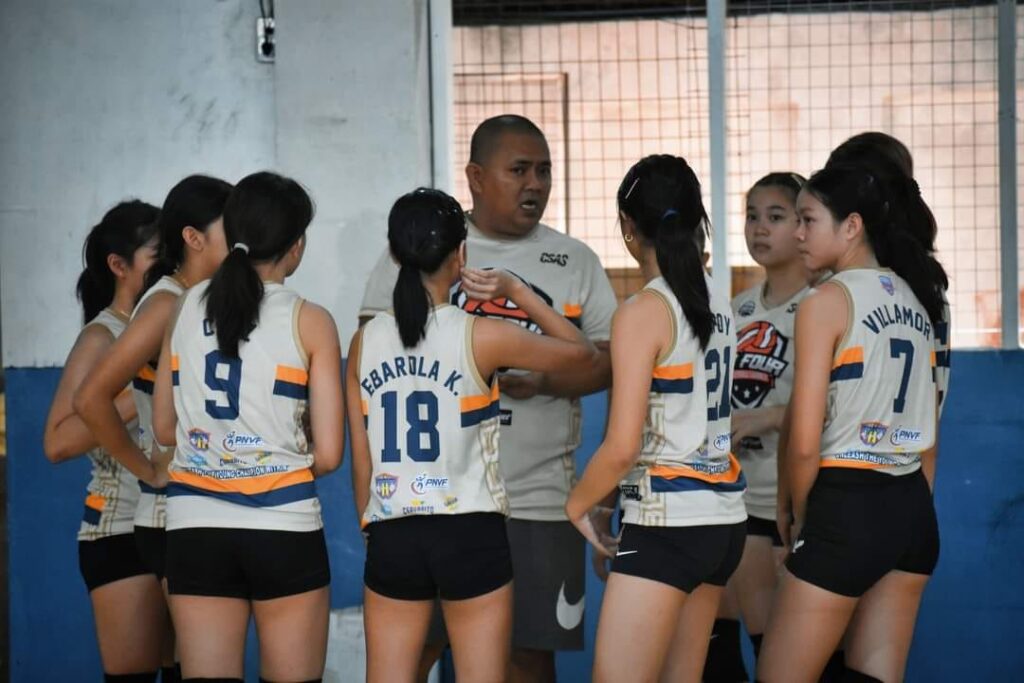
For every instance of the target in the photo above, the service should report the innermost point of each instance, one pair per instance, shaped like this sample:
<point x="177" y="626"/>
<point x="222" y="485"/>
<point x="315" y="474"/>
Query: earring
<point x="627" y="237"/>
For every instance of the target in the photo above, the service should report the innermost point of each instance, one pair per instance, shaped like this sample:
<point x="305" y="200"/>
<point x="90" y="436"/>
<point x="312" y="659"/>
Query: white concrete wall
<point x="110" y="99"/>
<point x="106" y="100"/>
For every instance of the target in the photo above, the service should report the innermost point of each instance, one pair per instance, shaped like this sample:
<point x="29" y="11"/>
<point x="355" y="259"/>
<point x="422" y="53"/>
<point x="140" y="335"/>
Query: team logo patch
<point x="197" y="460"/>
<point x="631" y="491"/>
<point x="722" y="442"/>
<point x="385" y="485"/>
<point x="199" y="439"/>
<point x="234" y="440"/>
<point x="760" y="361"/>
<point x="901" y="435"/>
<point x="424" y="482"/>
<point x="887" y="284"/>
<point x="747" y="309"/>
<point x="872" y="432"/>
<point x="501" y="309"/>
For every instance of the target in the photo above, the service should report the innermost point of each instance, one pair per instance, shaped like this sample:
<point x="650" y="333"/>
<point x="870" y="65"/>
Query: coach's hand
<point x="521" y="386"/>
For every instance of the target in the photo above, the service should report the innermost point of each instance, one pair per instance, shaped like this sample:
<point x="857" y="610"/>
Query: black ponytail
<point x="264" y="216"/>
<point x="661" y="194"/>
<point x="195" y="201"/>
<point x="424" y="228"/>
<point x="847" y="189"/>
<point x="124" y="229"/>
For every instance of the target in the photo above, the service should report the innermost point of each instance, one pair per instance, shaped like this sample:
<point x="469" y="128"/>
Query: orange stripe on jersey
<point x="730" y="475"/>
<point x="95" y="502"/>
<point x="146" y="373"/>
<point x="291" y="375"/>
<point x="684" y="371"/>
<point x="479" y="401"/>
<point x="572" y="310"/>
<point x="854" y="354"/>
<point x="851" y="464"/>
<point x="246" y="485"/>
<point x="175" y="362"/>
<point x="933" y="357"/>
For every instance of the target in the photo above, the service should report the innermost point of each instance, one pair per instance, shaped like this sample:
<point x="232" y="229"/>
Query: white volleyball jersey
<point x="113" y="491"/>
<point x="432" y="421"/>
<point x="539" y="434"/>
<point x="242" y="458"/>
<point x="882" y="392"/>
<point x="151" y="507"/>
<point x="762" y="378"/>
<point x="686" y="474"/>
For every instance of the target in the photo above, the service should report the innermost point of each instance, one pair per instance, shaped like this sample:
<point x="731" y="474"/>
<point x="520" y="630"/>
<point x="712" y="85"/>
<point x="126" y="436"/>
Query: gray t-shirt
<point x="538" y="435"/>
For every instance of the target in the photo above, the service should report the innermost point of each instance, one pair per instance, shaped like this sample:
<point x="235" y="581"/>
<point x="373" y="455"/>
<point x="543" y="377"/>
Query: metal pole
<point x="441" y="92"/>
<point x="716" y="101"/>
<point x="1008" y="173"/>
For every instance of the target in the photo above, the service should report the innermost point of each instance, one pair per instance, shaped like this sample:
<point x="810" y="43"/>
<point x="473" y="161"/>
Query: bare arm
<point x="94" y="400"/>
<point x="165" y="419"/>
<point x="641" y="328"/>
<point x="66" y="436"/>
<point x="319" y="336"/>
<point x="361" y="463"/>
<point x="820" y="323"/>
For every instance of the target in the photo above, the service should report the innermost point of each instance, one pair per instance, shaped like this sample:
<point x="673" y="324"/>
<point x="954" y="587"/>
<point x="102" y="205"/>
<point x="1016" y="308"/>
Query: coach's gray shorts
<point x="548" y="561"/>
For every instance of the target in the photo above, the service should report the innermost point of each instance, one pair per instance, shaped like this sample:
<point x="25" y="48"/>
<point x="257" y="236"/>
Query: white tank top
<point x="882" y="392"/>
<point x="113" y="492"/>
<point x="762" y="378"/>
<point x="687" y="474"/>
<point x="242" y="458"/>
<point x="151" y="506"/>
<point x="432" y="421"/>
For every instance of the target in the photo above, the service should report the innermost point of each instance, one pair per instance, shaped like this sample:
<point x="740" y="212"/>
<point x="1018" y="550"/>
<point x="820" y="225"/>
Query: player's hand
<point x="521" y="386"/>
<point x="160" y="460"/>
<point x="494" y="283"/>
<point x="784" y="521"/>
<point x="601" y="519"/>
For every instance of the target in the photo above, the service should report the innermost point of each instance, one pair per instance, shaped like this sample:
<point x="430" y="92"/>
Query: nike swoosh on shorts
<point x="569" y="614"/>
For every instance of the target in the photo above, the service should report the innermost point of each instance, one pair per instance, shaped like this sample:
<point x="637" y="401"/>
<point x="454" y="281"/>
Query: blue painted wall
<point x="969" y="620"/>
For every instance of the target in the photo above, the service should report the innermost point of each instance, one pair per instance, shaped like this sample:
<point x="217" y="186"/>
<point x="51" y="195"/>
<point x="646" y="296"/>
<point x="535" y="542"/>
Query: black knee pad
<point x="144" y="677"/>
<point x="852" y="676"/>
<point x="171" y="674"/>
<point x="724" y="663"/>
<point x="835" y="669"/>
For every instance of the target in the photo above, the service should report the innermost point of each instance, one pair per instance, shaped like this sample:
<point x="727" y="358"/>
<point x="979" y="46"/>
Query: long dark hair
<point x="661" y="194"/>
<point x="424" y="228"/>
<point x="123" y="229"/>
<point x="846" y="189"/>
<point x="265" y="214"/>
<point x="196" y="201"/>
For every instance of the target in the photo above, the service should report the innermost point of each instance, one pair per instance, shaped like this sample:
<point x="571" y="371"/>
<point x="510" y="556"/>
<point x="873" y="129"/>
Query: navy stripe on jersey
<point x="91" y="515"/>
<point x="848" y="371"/>
<point x="281" y="496"/>
<point x="672" y="386"/>
<point x="682" y="484"/>
<point x="472" y="418"/>
<point x="143" y="385"/>
<point x="290" y="389"/>
<point x="146" y="488"/>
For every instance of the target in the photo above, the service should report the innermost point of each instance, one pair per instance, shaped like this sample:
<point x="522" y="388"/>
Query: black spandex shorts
<point x="252" y="564"/>
<point x="681" y="556"/>
<point x="759" y="526"/>
<point x="151" y="543"/>
<point x="860" y="526"/>
<point x="109" y="559"/>
<point x="454" y="557"/>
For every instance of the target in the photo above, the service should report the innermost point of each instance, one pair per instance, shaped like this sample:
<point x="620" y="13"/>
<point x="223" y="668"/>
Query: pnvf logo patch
<point x="887" y="284"/>
<point x="901" y="436"/>
<point x="424" y="482"/>
<point x="385" y="485"/>
<point x="723" y="442"/>
<point x="234" y="441"/>
<point x="199" y="439"/>
<point x="872" y="432"/>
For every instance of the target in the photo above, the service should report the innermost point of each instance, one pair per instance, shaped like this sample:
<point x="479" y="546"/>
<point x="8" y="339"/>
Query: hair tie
<point x="668" y="214"/>
<point x="241" y="245"/>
